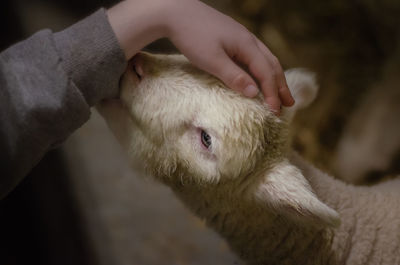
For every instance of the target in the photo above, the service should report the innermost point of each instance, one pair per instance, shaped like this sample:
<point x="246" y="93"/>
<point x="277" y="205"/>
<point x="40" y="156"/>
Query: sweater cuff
<point x="92" y="57"/>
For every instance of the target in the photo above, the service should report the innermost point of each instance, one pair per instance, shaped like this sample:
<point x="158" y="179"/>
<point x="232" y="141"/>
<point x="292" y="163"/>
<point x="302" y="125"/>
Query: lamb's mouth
<point x="130" y="80"/>
<point x="137" y="72"/>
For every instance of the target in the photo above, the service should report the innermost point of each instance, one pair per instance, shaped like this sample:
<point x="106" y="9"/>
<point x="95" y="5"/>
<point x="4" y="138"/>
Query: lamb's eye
<point x="205" y="139"/>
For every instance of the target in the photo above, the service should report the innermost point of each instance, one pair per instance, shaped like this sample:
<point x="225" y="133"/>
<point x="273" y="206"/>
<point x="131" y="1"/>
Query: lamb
<point x="228" y="159"/>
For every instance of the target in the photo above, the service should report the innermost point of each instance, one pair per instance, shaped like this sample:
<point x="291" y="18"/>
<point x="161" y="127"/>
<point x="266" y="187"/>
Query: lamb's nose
<point x="138" y="64"/>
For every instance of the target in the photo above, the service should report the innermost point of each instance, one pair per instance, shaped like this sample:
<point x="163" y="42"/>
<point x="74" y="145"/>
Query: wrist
<point x="173" y="17"/>
<point x="137" y="23"/>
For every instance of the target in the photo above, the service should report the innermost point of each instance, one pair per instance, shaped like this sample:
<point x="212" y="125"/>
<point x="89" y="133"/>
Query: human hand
<point x="215" y="43"/>
<point x="211" y="40"/>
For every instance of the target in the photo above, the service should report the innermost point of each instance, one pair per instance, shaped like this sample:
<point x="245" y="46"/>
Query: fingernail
<point x="250" y="91"/>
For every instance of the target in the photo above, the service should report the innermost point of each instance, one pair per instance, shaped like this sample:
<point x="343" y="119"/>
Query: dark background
<point x="352" y="45"/>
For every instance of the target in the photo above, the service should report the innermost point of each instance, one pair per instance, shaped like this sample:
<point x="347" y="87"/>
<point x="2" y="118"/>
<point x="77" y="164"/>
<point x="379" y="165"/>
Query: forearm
<point x="47" y="85"/>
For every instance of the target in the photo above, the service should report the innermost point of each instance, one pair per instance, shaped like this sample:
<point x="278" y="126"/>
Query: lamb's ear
<point x="304" y="89"/>
<point x="284" y="190"/>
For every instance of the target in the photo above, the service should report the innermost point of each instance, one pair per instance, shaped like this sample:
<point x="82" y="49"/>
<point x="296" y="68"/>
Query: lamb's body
<point x="244" y="186"/>
<point x="369" y="232"/>
<point x="370" y="228"/>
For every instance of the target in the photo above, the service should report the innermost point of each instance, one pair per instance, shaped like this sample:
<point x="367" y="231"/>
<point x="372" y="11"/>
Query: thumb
<point x="233" y="76"/>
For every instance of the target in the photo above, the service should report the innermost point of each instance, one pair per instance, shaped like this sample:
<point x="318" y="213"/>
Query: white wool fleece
<point x="227" y="158"/>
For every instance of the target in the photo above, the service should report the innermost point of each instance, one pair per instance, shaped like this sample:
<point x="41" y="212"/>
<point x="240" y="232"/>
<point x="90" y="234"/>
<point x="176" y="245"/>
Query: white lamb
<point x="227" y="158"/>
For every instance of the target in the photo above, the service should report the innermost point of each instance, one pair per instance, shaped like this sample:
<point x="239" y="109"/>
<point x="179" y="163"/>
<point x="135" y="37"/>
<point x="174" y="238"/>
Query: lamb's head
<point x="192" y="125"/>
<point x="188" y="128"/>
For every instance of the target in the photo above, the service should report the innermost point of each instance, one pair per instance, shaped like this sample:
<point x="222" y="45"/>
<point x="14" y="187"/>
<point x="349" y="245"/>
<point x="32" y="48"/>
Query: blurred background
<point x="83" y="204"/>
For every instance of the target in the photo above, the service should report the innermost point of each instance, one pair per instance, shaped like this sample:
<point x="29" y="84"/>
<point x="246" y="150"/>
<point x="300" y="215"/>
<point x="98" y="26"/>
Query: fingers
<point x="265" y="74"/>
<point x="265" y="67"/>
<point x="249" y="54"/>
<point x="283" y="89"/>
<point x="233" y="76"/>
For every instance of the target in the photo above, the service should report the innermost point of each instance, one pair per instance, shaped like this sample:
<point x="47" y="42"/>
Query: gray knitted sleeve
<point x="47" y="85"/>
